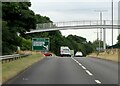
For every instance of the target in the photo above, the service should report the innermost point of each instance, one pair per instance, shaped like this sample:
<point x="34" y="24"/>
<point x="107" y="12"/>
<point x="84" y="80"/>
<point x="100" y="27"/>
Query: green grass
<point x="13" y="68"/>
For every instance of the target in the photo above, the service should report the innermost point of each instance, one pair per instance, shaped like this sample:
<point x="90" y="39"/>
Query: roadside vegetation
<point x="110" y="54"/>
<point x="11" y="69"/>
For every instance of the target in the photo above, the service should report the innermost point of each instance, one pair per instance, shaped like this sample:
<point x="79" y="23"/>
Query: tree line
<point x="18" y="18"/>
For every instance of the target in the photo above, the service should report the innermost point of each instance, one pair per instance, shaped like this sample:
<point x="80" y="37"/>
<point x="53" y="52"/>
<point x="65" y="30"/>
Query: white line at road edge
<point x="89" y="72"/>
<point x="97" y="81"/>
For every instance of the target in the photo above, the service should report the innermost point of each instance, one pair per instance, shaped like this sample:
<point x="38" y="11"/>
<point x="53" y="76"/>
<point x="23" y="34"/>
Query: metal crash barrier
<point x="8" y="58"/>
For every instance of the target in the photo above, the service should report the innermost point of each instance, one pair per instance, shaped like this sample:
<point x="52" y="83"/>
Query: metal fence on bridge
<point x="75" y="23"/>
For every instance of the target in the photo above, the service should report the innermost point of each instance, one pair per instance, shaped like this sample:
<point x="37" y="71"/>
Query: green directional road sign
<point x="41" y="44"/>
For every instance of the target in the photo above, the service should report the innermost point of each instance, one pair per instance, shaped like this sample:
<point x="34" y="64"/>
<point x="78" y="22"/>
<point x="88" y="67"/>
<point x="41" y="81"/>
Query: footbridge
<point x="83" y="24"/>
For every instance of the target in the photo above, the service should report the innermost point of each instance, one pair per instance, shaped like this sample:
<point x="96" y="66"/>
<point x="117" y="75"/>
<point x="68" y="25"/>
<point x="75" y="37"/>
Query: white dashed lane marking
<point x="88" y="72"/>
<point x="83" y="67"/>
<point x="80" y="64"/>
<point x="97" y="81"/>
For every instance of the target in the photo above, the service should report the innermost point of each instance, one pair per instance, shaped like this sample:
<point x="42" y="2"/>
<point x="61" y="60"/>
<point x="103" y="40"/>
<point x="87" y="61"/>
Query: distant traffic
<point x="65" y="51"/>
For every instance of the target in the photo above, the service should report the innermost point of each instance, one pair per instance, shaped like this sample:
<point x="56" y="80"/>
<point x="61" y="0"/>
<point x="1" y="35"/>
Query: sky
<point x="76" y="10"/>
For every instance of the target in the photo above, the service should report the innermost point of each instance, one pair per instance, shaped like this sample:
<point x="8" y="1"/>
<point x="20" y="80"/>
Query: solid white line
<point x="83" y="67"/>
<point x="97" y="81"/>
<point x="89" y="72"/>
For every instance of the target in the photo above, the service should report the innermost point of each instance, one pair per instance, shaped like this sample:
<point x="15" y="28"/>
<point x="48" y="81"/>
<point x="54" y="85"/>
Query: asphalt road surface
<point x="66" y="70"/>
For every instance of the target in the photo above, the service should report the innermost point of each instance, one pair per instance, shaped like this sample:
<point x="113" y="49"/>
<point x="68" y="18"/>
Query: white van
<point x="65" y="51"/>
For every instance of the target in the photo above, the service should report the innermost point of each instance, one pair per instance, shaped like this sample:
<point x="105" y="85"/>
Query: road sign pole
<point x="32" y="44"/>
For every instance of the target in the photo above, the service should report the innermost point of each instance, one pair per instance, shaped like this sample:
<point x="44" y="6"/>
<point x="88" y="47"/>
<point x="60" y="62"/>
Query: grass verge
<point x="108" y="56"/>
<point x="13" y="68"/>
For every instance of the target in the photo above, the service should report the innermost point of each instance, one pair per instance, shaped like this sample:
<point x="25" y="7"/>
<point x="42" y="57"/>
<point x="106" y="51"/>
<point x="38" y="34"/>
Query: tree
<point x="17" y="17"/>
<point x="96" y="44"/>
<point x="26" y="44"/>
<point x="118" y="38"/>
<point x="78" y="43"/>
<point x="10" y="40"/>
<point x="117" y="45"/>
<point x="42" y="19"/>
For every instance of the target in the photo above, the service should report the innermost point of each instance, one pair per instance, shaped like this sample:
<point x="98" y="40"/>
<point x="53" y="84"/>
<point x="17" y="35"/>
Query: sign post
<point x="41" y="44"/>
<point x="72" y="53"/>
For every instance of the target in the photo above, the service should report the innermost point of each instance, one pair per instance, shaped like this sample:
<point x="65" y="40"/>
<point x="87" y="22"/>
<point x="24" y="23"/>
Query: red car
<point x="47" y="53"/>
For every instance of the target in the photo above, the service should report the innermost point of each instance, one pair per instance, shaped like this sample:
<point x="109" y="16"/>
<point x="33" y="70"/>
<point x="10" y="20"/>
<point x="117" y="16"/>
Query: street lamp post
<point x="101" y="14"/>
<point x="104" y="38"/>
<point x="112" y="23"/>
<point x="100" y="28"/>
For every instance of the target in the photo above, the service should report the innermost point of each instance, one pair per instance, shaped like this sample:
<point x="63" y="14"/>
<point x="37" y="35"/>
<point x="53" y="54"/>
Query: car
<point x="78" y="54"/>
<point x="65" y="51"/>
<point x="47" y="53"/>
